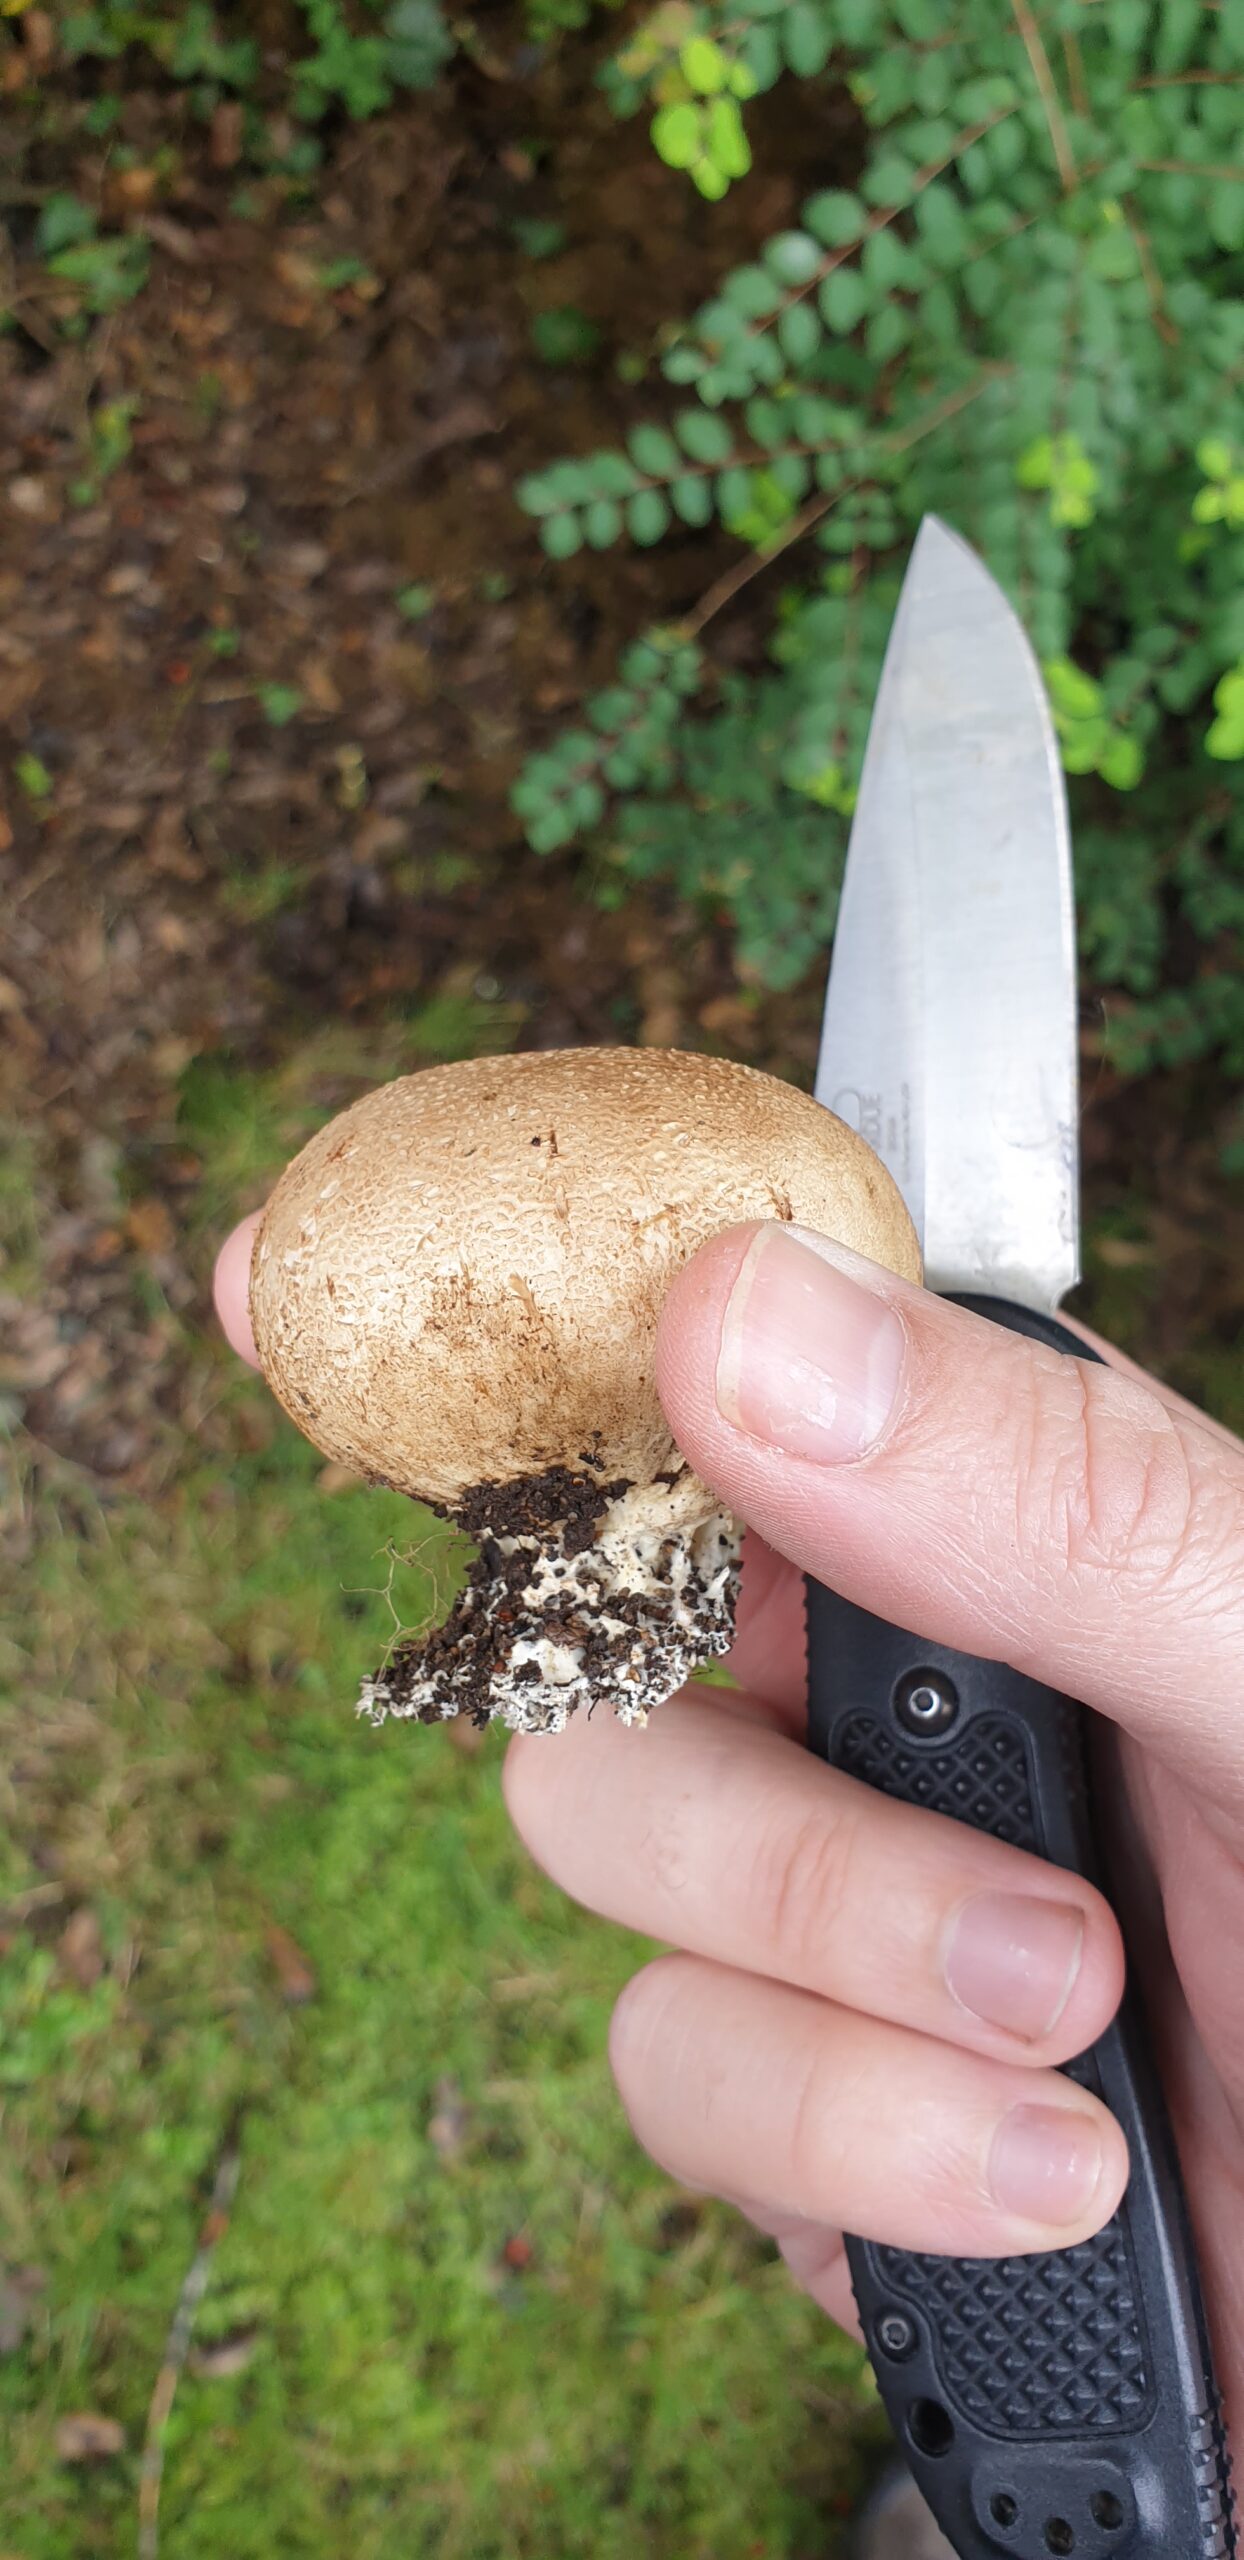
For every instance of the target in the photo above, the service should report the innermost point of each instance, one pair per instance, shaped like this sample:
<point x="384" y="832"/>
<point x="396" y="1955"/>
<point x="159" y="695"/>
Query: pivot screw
<point x="926" y="1703"/>
<point x="896" y="2334"/>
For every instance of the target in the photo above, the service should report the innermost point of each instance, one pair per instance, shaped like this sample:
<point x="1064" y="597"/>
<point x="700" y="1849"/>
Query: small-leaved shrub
<point x="1025" y="312"/>
<point x="357" y="58"/>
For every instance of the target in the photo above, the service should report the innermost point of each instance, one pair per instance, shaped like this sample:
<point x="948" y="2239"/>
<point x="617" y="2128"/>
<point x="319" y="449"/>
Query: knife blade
<point x="958" y="889"/>
<point x="1062" y="2402"/>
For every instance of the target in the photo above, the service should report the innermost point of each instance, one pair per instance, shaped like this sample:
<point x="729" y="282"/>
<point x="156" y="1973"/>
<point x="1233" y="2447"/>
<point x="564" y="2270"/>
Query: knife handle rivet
<point x="896" y="2334"/>
<point x="926" y="1703"/>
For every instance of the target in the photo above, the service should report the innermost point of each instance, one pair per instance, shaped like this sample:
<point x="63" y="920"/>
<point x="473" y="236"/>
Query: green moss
<point x="645" y="2382"/>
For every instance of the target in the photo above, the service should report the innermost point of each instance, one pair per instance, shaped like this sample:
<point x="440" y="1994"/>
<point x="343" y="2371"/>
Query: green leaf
<point x="587" y="805"/>
<point x="843" y="300"/>
<point x="760" y="54"/>
<point x="753" y="291"/>
<point x="792" y="474"/>
<point x="794" y="257"/>
<point x="280" y="703"/>
<point x="704" y="435"/>
<point x="799" y="334"/>
<point x="108" y="272"/>
<point x="767" y="421"/>
<point x="942" y="224"/>
<point x="537" y="238"/>
<point x="678" y="134"/>
<point x="888" y="330"/>
<point x="807" y="39"/>
<point x="654" y="452"/>
<point x="562" y="536"/>
<point x="63" y="220"/>
<point x="1225" y="213"/>
<point x="534" y="495"/>
<point x="419" y="43"/>
<point x="835" y="218"/>
<point x="734" y="493"/>
<point x="692" y="501"/>
<point x="613" y="475"/>
<point x="602" y="523"/>
<point x="647" y="517"/>
<point x="564" y="336"/>
<point x="1122" y="761"/>
<point x="553" y="828"/>
<point x="1070" y="689"/>
<point x="887" y="181"/>
<point x="703" y="66"/>
<point x="725" y="142"/>
<point x="33" y="776"/>
<point x="1224" y="739"/>
<point x="1215" y="457"/>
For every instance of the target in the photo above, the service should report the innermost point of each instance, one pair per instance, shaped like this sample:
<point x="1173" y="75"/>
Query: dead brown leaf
<point x="39" y="38"/>
<point x="86" y="2437"/>
<point x="225" y="2356"/>
<point x="149" y="1226"/>
<point x="18" y="2287"/>
<point x="294" y="1971"/>
<point x="225" y="134"/>
<point x="449" y="2124"/>
<point x="80" y="1949"/>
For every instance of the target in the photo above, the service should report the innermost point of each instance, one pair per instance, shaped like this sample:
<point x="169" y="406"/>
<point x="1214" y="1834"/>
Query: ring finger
<point x="744" y="2086"/>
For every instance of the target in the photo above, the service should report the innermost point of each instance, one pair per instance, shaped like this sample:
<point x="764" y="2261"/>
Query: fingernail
<point x="809" y="1360"/>
<point x="1012" y="1959"/>
<point x="1045" y="2164"/>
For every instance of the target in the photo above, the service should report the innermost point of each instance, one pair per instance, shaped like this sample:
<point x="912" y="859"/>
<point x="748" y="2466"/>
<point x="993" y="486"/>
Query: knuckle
<point x="1107" y="1488"/>
<point x="640" y="2027"/>
<point x="805" y="1885"/>
<point x="831" y="2111"/>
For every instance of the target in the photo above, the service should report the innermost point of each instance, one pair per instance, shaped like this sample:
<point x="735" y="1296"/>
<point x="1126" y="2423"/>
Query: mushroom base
<point x="613" y="1612"/>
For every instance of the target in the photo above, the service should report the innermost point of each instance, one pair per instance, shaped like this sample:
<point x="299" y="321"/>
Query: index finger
<point x="1011" y="1502"/>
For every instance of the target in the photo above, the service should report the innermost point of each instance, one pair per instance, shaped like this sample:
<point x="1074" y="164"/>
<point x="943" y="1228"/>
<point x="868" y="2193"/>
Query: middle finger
<point x="715" y="1833"/>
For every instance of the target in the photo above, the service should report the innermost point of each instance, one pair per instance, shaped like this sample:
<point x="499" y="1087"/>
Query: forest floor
<point x="273" y="641"/>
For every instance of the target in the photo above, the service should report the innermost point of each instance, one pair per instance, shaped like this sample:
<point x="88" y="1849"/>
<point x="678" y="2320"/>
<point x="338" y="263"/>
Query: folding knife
<point x="1060" y="2403"/>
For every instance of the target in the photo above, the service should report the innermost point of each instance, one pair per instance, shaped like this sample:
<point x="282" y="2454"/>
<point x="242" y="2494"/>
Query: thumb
<point x="230" y="1288"/>
<point x="964" y="1482"/>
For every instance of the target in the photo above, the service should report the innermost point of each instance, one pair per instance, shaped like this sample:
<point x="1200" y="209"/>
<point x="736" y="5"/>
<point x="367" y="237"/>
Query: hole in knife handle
<point x="931" y="2428"/>
<point x="1058" y="2535"/>
<point x="1106" y="2510"/>
<point x="1004" y="2508"/>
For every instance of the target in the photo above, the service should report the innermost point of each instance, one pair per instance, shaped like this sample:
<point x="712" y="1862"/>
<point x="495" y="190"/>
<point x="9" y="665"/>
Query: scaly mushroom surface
<point x="455" y="1291"/>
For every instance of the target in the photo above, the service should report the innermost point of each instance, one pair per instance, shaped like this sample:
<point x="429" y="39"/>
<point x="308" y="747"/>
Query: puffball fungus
<point x="455" y="1291"/>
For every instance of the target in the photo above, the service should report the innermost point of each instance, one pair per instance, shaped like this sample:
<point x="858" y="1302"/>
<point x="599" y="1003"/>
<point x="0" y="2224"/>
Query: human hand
<point x="835" y="2044"/>
<point x="861" y="2023"/>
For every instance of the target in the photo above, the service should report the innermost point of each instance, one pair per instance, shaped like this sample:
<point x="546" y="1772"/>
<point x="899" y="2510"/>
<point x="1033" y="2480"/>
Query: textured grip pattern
<point x="982" y="1779"/>
<point x="1042" y="2346"/>
<point x="1091" y="2374"/>
<point x="1215" y="2495"/>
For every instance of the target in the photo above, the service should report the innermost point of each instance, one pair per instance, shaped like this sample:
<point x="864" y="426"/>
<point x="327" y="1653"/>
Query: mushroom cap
<point x="457" y="1282"/>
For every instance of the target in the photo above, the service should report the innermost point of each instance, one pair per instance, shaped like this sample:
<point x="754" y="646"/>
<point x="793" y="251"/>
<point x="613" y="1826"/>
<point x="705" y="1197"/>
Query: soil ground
<point x="223" y="912"/>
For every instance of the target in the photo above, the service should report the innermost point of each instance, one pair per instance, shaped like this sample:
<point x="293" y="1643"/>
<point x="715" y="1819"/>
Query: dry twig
<point x="216" y="2223"/>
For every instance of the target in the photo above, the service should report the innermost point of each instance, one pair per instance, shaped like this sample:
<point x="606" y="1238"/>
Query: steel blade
<point x="950" y="1021"/>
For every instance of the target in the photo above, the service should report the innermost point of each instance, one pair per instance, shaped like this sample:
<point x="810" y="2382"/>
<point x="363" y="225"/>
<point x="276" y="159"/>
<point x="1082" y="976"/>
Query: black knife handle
<point x="1064" y="2402"/>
